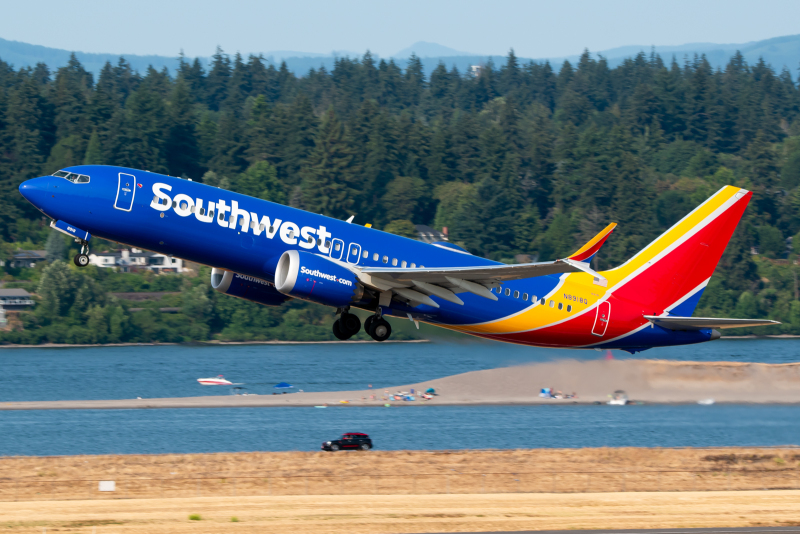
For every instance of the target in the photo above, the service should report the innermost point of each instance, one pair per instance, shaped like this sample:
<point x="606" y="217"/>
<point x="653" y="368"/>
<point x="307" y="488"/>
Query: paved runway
<point x="743" y="530"/>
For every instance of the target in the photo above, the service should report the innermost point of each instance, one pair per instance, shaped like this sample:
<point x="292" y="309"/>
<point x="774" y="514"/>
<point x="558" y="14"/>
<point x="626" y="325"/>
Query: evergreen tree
<point x="329" y="185"/>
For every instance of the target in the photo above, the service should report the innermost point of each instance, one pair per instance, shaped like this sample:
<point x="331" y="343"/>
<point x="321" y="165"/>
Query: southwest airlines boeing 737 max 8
<point x="269" y="253"/>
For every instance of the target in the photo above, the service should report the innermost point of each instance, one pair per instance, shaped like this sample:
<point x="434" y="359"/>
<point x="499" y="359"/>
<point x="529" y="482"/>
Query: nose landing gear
<point x="82" y="259"/>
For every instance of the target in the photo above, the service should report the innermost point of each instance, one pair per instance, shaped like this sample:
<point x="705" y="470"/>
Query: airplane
<point x="269" y="253"/>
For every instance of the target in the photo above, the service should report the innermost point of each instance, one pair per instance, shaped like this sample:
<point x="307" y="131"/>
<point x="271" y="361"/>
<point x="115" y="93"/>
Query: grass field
<point x="405" y="513"/>
<point x="396" y="462"/>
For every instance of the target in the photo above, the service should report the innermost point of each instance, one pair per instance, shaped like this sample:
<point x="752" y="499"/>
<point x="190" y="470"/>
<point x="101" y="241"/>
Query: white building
<point x="137" y="260"/>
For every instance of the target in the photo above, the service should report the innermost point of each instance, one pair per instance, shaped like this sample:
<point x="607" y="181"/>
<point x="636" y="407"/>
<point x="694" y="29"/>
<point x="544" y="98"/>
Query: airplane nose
<point x="35" y="190"/>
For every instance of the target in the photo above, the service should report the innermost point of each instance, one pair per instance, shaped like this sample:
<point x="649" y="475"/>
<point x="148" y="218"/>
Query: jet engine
<point x="246" y="287"/>
<point x="311" y="277"/>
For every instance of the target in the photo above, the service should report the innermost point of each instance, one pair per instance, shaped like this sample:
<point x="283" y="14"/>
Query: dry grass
<point x="399" y="472"/>
<point x="406" y="513"/>
<point x="260" y="464"/>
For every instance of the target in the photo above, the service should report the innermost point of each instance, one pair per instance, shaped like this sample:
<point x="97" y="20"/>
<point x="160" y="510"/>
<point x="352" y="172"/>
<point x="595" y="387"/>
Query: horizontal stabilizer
<point x="700" y="323"/>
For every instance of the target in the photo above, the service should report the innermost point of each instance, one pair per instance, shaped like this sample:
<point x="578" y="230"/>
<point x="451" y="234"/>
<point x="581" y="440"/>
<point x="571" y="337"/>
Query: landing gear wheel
<point x="368" y="323"/>
<point x="349" y="323"/>
<point x="337" y="331"/>
<point x="81" y="260"/>
<point x="381" y="329"/>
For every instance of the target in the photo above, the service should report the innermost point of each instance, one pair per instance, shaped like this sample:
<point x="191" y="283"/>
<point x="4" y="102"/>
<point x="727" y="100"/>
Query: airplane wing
<point x="698" y="323"/>
<point x="419" y="284"/>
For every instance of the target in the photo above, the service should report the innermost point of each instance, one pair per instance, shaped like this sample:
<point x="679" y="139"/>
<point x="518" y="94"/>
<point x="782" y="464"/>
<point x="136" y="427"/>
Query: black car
<point x="351" y="440"/>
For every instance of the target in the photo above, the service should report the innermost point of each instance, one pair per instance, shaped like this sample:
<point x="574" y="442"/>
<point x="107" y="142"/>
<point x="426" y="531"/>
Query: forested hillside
<point x="512" y="159"/>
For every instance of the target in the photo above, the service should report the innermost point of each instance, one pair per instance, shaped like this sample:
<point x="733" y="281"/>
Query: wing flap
<point x="700" y="323"/>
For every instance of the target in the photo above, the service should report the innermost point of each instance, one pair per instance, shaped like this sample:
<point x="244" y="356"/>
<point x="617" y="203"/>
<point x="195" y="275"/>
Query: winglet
<point x="587" y="251"/>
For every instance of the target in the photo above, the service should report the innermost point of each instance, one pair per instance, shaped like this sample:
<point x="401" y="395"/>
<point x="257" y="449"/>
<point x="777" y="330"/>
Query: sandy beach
<point x="650" y="381"/>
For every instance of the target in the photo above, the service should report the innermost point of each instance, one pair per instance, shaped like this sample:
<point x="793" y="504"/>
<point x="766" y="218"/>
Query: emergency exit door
<point x="601" y="318"/>
<point x="126" y="190"/>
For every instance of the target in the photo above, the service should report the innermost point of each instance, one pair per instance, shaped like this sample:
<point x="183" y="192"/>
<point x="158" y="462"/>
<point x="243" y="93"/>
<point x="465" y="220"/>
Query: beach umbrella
<point x="284" y="385"/>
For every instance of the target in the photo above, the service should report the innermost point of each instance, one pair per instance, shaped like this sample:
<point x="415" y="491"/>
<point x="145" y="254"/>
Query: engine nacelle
<point x="246" y="287"/>
<point x="310" y="277"/>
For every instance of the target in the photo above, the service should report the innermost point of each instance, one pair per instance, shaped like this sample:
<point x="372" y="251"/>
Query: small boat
<point x="620" y="398"/>
<point x="218" y="381"/>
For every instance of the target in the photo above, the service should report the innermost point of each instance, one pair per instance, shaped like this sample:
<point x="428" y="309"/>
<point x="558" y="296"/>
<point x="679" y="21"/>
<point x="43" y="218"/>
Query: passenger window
<point x="552" y="303"/>
<point x="525" y="297"/>
<point x="310" y="240"/>
<point x="413" y="265"/>
<point x="569" y="307"/>
<point x="516" y="294"/>
<point x="336" y="247"/>
<point x="365" y="255"/>
<point x="508" y="292"/>
<point x="542" y="301"/>
<point x="327" y="243"/>
<point x="375" y="257"/>
<point x="403" y="265"/>
<point x="184" y="205"/>
<point x="155" y="199"/>
<point x="386" y="259"/>
<point x="394" y="262"/>
<point x="560" y="305"/>
<point x="421" y="266"/>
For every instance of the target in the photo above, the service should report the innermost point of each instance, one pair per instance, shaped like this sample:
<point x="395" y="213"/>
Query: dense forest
<point x="512" y="159"/>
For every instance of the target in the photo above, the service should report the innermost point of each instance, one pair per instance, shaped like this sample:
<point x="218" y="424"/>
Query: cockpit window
<point x="72" y="177"/>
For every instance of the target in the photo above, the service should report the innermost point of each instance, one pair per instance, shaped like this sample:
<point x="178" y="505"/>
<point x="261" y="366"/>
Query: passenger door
<point x="337" y="248"/>
<point x="126" y="190"/>
<point x="601" y="318"/>
<point x="353" y="253"/>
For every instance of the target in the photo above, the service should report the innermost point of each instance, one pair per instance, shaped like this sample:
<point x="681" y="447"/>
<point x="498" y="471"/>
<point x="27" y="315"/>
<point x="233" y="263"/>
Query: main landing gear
<point x="82" y="259"/>
<point x="348" y="325"/>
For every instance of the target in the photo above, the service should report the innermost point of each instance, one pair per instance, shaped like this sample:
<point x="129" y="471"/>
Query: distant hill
<point x="779" y="52"/>
<point x="425" y="49"/>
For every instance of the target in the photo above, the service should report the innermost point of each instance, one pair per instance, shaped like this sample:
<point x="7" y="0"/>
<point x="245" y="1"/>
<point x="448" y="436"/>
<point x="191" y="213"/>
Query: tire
<point x="337" y="331"/>
<point x="334" y="447"/>
<point x="381" y="330"/>
<point x="81" y="260"/>
<point x="350" y="324"/>
<point x="365" y="447"/>
<point x="368" y="323"/>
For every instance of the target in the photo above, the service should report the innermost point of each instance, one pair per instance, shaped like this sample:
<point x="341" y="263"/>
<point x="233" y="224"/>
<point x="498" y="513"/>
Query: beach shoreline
<point x="585" y="382"/>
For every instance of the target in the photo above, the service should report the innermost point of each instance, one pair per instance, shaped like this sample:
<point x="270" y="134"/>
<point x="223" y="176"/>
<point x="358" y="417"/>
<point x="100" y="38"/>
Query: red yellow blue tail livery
<point x="269" y="253"/>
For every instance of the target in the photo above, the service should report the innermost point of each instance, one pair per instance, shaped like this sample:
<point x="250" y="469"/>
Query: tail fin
<point x="669" y="275"/>
<point x="587" y="251"/>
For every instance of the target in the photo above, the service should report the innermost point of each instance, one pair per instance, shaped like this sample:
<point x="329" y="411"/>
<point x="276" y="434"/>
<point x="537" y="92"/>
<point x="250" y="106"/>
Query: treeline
<point x="511" y="159"/>
<point x="88" y="306"/>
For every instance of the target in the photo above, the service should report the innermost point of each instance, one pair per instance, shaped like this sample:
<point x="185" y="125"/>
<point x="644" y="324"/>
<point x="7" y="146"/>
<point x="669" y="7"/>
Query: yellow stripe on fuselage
<point x="582" y="286"/>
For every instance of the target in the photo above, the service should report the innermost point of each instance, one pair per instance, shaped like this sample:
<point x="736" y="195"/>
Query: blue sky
<point x="533" y="28"/>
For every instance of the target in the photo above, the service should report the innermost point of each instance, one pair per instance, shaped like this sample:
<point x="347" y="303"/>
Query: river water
<point x="172" y="371"/>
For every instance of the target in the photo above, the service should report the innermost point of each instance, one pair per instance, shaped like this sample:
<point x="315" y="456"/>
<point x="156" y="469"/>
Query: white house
<point x="137" y="260"/>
